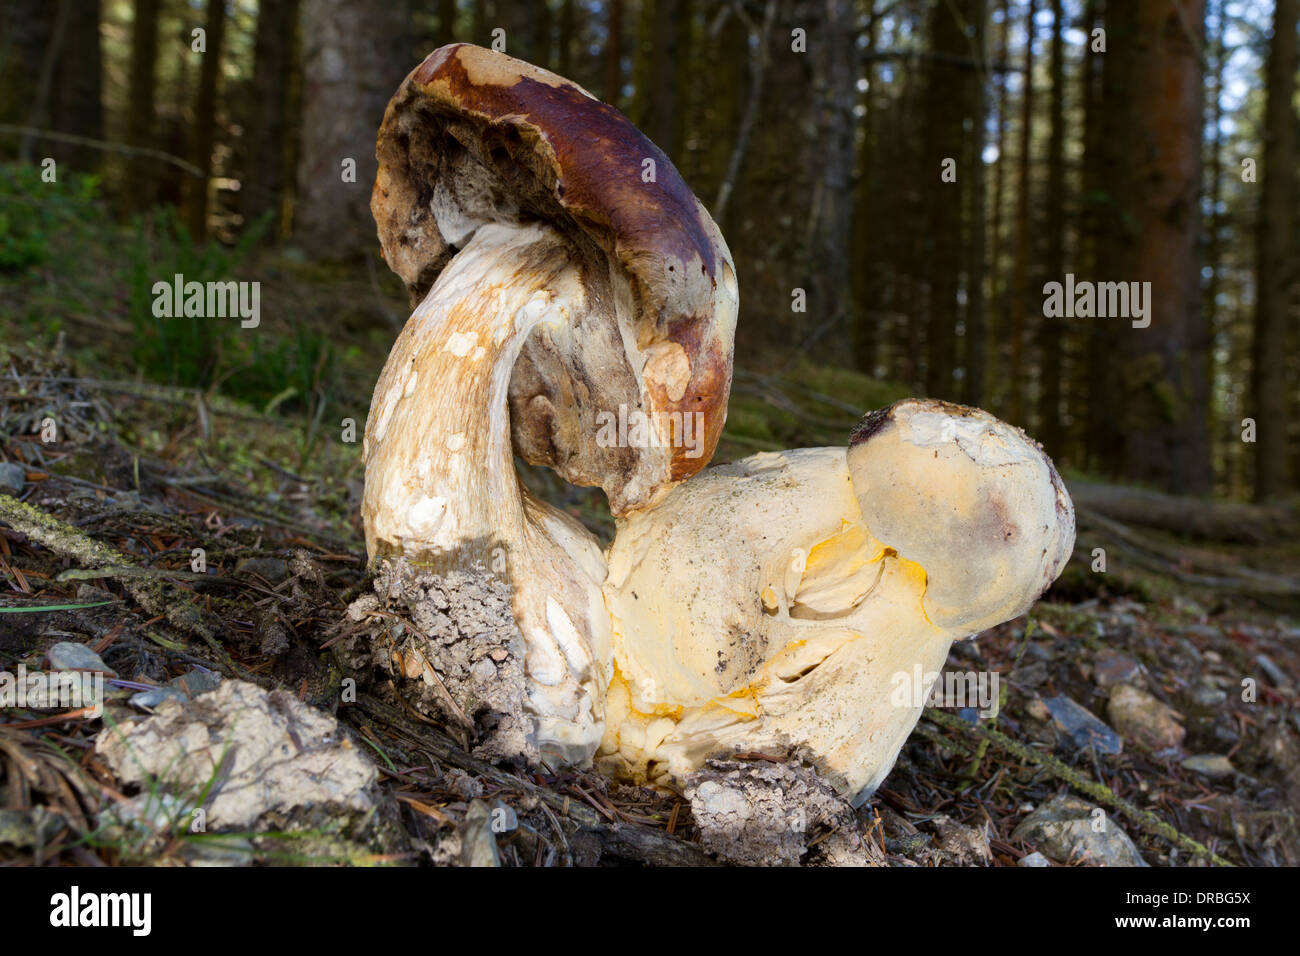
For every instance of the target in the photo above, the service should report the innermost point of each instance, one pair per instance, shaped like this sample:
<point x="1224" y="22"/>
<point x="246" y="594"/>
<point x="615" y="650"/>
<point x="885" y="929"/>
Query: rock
<point x="191" y="684"/>
<point x="12" y="478"/>
<point x="278" y="765"/>
<point x="1276" y="676"/>
<point x="1214" y="766"/>
<point x="478" y="842"/>
<point x="147" y="821"/>
<point x="228" y="851"/>
<point x="272" y="569"/>
<point x="1228" y="736"/>
<point x="1206" y="696"/>
<point x="1038" y="710"/>
<point x="1115" y="667"/>
<point x="764" y="814"/>
<point x="1082" y="727"/>
<point x="1070" y="830"/>
<point x="964" y="846"/>
<point x="1029" y="676"/>
<point x="901" y="837"/>
<point x="1033" y="859"/>
<point x="1144" y="719"/>
<point x="69" y="656"/>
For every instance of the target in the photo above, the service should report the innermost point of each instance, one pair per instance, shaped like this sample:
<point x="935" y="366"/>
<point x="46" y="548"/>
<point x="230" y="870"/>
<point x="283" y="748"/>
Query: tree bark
<point x="78" y="107"/>
<point x="1020" y="291"/>
<point x="568" y="18"/>
<point x="976" y="337"/>
<point x="947" y="85"/>
<point x="354" y="57"/>
<point x="1225" y="446"/>
<point x="870" y="275"/>
<point x="1276" y="263"/>
<point x="1230" y="521"/>
<point x="835" y="68"/>
<point x="1110" y="146"/>
<point x="446" y="22"/>
<point x="266" y="176"/>
<point x="205" y="117"/>
<point x="1166" y="395"/>
<point x="614" y="54"/>
<point x="1053" y="331"/>
<point x="519" y="19"/>
<point x="139" y="190"/>
<point x="661" y="119"/>
<point x="28" y="31"/>
<point x="997" y="280"/>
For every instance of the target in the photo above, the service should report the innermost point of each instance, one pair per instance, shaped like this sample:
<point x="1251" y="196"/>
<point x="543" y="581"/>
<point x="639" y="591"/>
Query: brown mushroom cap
<point x="472" y="137"/>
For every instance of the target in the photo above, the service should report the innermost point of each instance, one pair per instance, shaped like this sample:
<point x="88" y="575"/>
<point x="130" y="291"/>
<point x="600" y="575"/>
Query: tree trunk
<point x="1276" y="263"/>
<point x="519" y="19"/>
<point x="614" y="54"/>
<point x="835" y="69"/>
<point x="1166" y="396"/>
<point x="661" y="118"/>
<point x="1020" y="291"/>
<point x="26" y="34"/>
<point x="1207" y="520"/>
<point x="870" y="274"/>
<point x="544" y="35"/>
<point x="946" y="97"/>
<point x="139" y="191"/>
<point x="1110" y="145"/>
<point x="354" y="57"/>
<point x="1225" y="446"/>
<point x="976" y="338"/>
<point x="446" y="22"/>
<point x="568" y="19"/>
<point x="77" y="106"/>
<point x="266" y="175"/>
<point x="205" y="117"/>
<point x="50" y="79"/>
<point x="1053" y="331"/>
<point x="997" y="280"/>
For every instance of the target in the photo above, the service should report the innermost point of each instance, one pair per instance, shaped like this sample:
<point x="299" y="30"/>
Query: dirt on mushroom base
<point x="282" y="563"/>
<point x="461" y="622"/>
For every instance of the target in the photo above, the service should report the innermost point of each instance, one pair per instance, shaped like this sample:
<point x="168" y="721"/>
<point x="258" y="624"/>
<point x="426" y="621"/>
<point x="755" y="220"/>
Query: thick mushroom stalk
<point x="441" y="487"/>
<point x="559" y="291"/>
<point x="771" y="605"/>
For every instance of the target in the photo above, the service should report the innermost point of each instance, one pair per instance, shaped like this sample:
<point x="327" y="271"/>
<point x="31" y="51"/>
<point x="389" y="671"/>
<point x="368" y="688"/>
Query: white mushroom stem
<point x="441" y="486"/>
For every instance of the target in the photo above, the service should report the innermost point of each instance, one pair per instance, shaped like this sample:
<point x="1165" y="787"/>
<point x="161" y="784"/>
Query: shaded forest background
<point x="897" y="179"/>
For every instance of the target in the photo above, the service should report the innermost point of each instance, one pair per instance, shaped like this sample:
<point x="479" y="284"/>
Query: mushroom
<point x="775" y="604"/>
<point x="564" y="278"/>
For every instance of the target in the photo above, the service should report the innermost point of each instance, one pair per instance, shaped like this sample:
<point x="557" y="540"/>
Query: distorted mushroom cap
<point x="473" y="137"/>
<point x="972" y="500"/>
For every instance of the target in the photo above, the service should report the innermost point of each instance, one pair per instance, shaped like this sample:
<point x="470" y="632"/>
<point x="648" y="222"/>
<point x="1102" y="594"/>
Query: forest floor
<point x="1161" y="694"/>
<point x="141" y="475"/>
